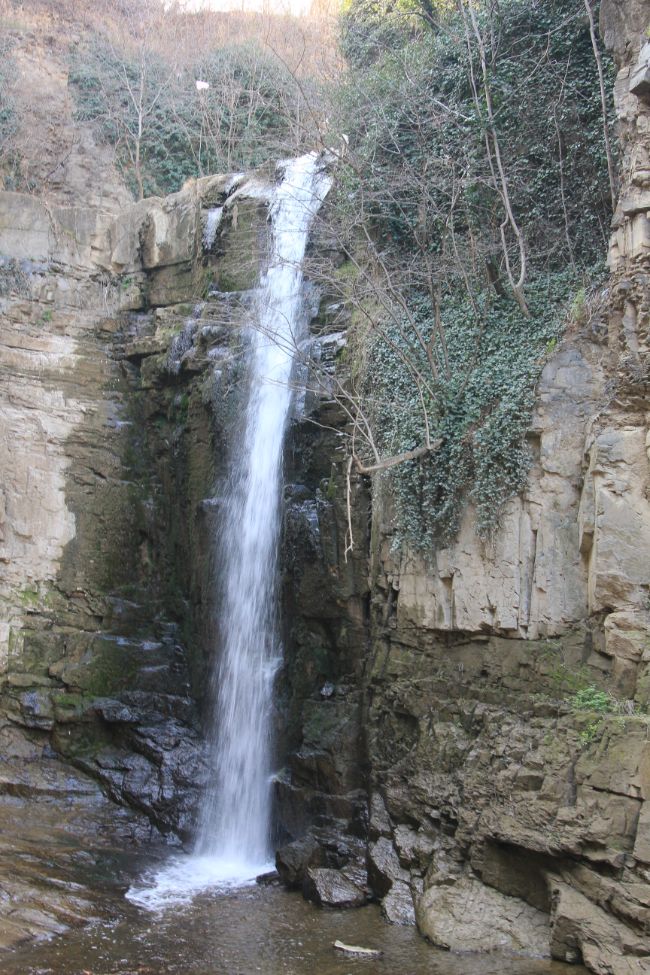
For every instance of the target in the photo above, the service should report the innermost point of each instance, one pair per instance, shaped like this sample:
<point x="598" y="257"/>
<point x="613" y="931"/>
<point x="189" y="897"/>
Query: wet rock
<point x="384" y="867"/>
<point x="115" y="712"/>
<point x="356" y="871"/>
<point x="582" y="928"/>
<point x="56" y="824"/>
<point x="379" y="820"/>
<point x="294" y="859"/>
<point x="397" y="906"/>
<point x="329" y="888"/>
<point x="413" y="847"/>
<point x="269" y="879"/>
<point x="35" y="710"/>
<point x="45" y="778"/>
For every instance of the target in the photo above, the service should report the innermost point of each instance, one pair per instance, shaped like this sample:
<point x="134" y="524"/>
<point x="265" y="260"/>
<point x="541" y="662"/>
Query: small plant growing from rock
<point x="592" y="699"/>
<point x="591" y="732"/>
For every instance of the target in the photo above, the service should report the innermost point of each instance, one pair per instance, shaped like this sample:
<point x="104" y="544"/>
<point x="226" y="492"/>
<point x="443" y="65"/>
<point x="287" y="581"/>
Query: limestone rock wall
<point x="497" y="695"/>
<point x="491" y="775"/>
<point x="118" y="378"/>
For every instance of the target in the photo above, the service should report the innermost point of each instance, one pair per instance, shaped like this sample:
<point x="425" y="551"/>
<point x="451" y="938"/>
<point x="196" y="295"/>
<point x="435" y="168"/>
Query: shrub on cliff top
<point x="8" y="118"/>
<point x="166" y="130"/>
<point x="475" y="202"/>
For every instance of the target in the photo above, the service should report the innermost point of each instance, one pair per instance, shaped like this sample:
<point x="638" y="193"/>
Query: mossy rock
<point x="99" y="665"/>
<point x="244" y="245"/>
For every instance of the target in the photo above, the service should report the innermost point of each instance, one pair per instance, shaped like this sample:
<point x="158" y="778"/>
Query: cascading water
<point x="234" y="821"/>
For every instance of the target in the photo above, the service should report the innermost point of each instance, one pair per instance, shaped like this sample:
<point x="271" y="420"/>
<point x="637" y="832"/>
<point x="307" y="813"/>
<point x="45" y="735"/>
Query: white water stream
<point x="233" y="843"/>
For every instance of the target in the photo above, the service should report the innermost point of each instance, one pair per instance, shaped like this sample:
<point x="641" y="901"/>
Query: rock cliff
<point x="466" y="731"/>
<point x="496" y="711"/>
<point x="113" y="416"/>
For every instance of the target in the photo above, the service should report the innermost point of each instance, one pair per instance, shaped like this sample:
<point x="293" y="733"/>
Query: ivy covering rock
<point x="474" y="208"/>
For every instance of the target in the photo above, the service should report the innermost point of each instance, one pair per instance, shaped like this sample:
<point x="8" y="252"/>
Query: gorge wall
<point x="112" y="438"/>
<point x="441" y="752"/>
<point x="504" y="809"/>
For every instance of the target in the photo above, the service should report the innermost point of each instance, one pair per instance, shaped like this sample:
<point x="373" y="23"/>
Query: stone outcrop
<point x="113" y="406"/>
<point x="496" y="694"/>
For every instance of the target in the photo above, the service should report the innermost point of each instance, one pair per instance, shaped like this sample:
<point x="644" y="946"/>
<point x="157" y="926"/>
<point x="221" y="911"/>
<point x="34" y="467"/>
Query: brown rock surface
<point x="57" y="830"/>
<point x="505" y="687"/>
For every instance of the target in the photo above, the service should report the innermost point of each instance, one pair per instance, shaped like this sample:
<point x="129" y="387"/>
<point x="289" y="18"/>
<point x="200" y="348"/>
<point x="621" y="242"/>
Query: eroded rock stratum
<point x="505" y="809"/>
<point x="113" y="411"/>
<point x="443" y="753"/>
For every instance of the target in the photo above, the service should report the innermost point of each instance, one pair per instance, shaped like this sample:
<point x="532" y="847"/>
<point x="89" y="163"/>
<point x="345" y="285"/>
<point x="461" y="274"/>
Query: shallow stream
<point x="264" y="930"/>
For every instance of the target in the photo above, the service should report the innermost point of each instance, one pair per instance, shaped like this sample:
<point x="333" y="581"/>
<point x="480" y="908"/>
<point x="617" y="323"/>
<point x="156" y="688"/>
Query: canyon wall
<point x="463" y="733"/>
<point x="496" y="709"/>
<point x="119" y="375"/>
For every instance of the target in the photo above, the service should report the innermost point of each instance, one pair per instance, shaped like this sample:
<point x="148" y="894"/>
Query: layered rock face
<point x="119" y="375"/>
<point x="466" y="731"/>
<point x="499" y="699"/>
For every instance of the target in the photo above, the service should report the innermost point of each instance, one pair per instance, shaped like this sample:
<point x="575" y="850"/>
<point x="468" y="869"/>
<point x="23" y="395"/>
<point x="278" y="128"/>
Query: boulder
<point x="397" y="906"/>
<point x="468" y="916"/>
<point x="329" y="888"/>
<point x="384" y="866"/>
<point x="294" y="859"/>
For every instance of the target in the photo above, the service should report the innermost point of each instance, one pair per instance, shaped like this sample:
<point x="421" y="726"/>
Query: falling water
<point x="234" y="823"/>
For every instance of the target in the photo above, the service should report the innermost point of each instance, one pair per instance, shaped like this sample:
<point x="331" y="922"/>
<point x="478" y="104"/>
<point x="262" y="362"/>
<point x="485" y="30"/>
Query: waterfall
<point x="233" y="842"/>
<point x="234" y="821"/>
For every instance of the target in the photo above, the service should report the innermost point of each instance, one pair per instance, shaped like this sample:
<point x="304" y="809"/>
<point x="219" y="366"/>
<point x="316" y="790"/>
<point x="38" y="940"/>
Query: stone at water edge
<point x="268" y="879"/>
<point x="468" y="916"/>
<point x="397" y="906"/>
<point x="294" y="859"/>
<point x="329" y="888"/>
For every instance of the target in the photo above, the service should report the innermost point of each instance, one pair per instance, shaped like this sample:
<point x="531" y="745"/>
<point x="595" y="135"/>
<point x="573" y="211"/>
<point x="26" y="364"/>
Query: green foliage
<point x="578" y="311"/>
<point x="592" y="699"/>
<point x="412" y="113"/>
<point x="8" y="117"/>
<point x="329" y="488"/>
<point x="244" y="119"/>
<point x="481" y="412"/>
<point x="591" y="732"/>
<point x="7" y="77"/>
<point x="13" y="279"/>
<point x="369" y="28"/>
<point x="425" y="212"/>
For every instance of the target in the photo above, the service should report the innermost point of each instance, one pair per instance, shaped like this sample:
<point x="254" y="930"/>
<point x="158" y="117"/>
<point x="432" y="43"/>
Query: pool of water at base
<point x="252" y="931"/>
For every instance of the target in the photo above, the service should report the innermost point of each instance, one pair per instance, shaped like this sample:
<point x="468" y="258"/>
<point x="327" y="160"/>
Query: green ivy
<point x="480" y="413"/>
<point x="418" y="141"/>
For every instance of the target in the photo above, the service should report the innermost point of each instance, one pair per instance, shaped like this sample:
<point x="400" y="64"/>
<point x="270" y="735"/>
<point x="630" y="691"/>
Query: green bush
<point x="592" y="699"/>
<point x="245" y="118"/>
<point x="421" y="212"/>
<point x="8" y="116"/>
